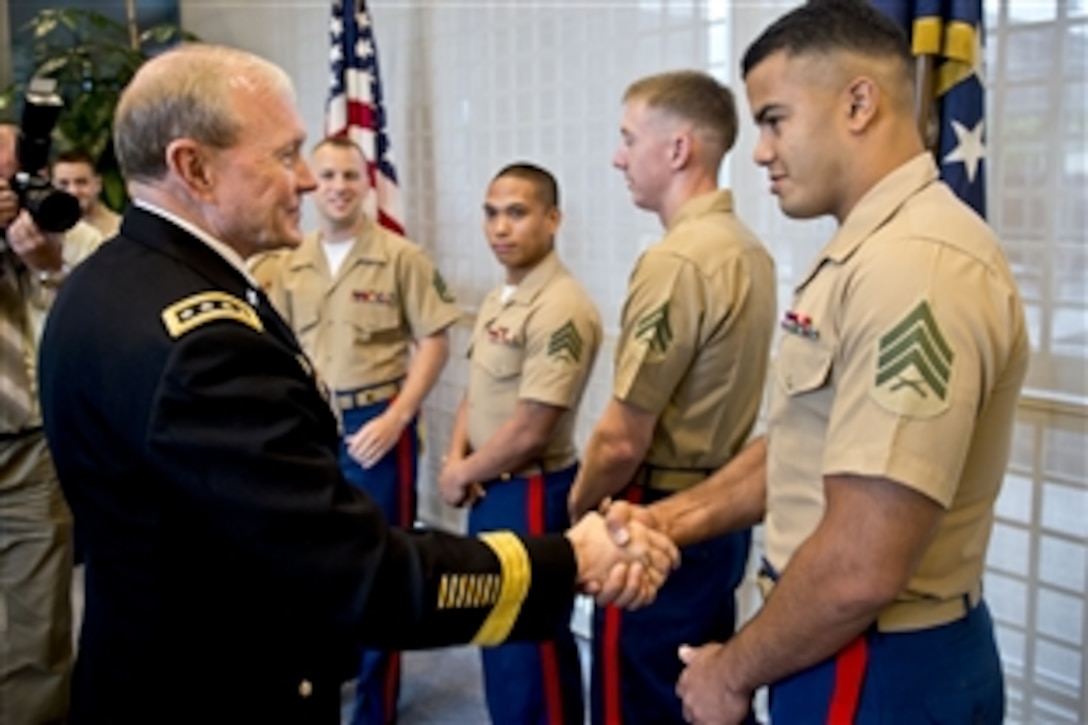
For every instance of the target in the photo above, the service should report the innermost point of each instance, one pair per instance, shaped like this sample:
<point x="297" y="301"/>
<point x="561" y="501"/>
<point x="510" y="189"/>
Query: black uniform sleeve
<point x="247" y="448"/>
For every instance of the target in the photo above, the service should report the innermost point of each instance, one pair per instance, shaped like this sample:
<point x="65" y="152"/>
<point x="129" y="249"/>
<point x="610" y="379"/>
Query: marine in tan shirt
<point x="892" y="405"/>
<point x="695" y="337"/>
<point x="360" y="321"/>
<point x="512" y="455"/>
<point x="691" y="360"/>
<point x="538" y="344"/>
<point x="908" y="367"/>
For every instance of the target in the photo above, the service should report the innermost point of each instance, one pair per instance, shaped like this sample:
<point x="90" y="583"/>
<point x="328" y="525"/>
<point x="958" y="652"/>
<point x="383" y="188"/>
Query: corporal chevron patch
<point x="913" y="366"/>
<point x="441" y="288"/>
<point x="566" y="343"/>
<point x="654" y="329"/>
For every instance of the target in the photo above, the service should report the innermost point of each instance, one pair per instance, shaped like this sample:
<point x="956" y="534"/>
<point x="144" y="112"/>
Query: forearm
<point x="809" y="617"/>
<point x="517" y="443"/>
<point x="734" y="497"/>
<point x="426" y="366"/>
<point x="608" y="465"/>
<point x="859" y="558"/>
<point x="458" y="447"/>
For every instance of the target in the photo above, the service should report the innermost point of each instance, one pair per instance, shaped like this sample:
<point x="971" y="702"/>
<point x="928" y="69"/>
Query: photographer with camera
<point x="74" y="172"/>
<point x="35" y="524"/>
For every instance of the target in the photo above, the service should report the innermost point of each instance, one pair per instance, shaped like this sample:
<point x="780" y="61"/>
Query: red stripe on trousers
<point x="849" y="672"/>
<point x="549" y="658"/>
<point x="406" y="473"/>
<point x="405" y="490"/>
<point x="392" y="686"/>
<point x="612" y="702"/>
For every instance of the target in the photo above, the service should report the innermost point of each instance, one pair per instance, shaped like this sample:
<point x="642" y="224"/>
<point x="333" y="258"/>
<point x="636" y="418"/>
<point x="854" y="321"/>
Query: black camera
<point x="51" y="209"/>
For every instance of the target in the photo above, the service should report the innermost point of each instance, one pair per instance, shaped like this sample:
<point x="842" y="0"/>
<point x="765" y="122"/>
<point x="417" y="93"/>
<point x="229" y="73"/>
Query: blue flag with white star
<point x="951" y="32"/>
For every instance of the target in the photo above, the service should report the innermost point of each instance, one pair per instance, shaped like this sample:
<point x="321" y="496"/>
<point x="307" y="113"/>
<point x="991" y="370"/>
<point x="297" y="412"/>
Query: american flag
<point x="951" y="32"/>
<point x="355" y="107"/>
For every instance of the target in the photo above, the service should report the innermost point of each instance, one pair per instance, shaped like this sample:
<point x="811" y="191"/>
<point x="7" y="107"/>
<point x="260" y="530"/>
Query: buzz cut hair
<point x="339" y="142"/>
<point x="547" y="188"/>
<point x="694" y="96"/>
<point x="827" y="26"/>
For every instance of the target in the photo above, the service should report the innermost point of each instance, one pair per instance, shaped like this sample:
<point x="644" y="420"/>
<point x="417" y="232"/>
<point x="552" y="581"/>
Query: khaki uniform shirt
<point x="79" y="242"/>
<point x="104" y="219"/>
<point x="539" y="345"/>
<point x="903" y="357"/>
<point x="695" y="336"/>
<point x="357" y="326"/>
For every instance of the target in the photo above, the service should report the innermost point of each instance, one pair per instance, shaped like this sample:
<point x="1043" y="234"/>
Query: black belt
<point x="20" y="434"/>
<point x="367" y="395"/>
<point x="533" y="469"/>
<point x="671" y="480"/>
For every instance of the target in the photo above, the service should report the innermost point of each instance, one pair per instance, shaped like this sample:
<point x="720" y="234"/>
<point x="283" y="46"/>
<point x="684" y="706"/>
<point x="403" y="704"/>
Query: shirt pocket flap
<point x="379" y="321"/>
<point x="500" y="361"/>
<point x="803" y="366"/>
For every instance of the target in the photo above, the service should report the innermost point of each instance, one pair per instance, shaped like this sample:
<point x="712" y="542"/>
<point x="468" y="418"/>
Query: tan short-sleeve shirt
<point x="79" y="242"/>
<point x="902" y="357"/>
<point x="695" y="335"/>
<point x="357" y="325"/>
<point x="539" y="345"/>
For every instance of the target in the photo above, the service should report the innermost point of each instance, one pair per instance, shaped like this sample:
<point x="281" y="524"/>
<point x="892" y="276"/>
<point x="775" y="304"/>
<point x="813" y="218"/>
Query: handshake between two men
<point x="622" y="559"/>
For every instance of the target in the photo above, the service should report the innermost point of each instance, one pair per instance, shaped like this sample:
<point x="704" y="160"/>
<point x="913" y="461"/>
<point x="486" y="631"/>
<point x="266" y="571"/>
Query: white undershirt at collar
<point x="336" y="251"/>
<point x="226" y="252"/>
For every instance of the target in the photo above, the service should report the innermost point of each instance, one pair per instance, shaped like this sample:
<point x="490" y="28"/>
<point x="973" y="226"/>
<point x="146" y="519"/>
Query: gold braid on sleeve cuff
<point x="516" y="576"/>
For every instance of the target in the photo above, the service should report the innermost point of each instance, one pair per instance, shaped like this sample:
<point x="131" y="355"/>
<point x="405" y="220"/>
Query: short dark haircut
<point x="824" y="26"/>
<point x="547" y="189"/>
<point x="76" y="156"/>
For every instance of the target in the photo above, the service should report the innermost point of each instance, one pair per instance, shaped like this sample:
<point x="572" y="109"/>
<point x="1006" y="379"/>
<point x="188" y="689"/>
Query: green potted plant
<point x="92" y="57"/>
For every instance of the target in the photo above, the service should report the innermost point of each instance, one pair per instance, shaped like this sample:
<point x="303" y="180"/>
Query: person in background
<point x="512" y="457"/>
<point x="35" y="523"/>
<point x="891" y="411"/>
<point x="371" y="310"/>
<point x="690" y="364"/>
<point x="74" y="172"/>
<point x="232" y="571"/>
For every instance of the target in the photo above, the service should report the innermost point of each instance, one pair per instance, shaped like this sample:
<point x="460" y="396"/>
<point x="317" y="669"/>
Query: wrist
<point x="578" y="537"/>
<point x="733" y="671"/>
<point x="401" y="417"/>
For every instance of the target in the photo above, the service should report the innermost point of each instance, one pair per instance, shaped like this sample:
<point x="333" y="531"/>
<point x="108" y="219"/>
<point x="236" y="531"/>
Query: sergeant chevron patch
<point x="441" y="287"/>
<point x="654" y="329"/>
<point x="199" y="309"/>
<point x="913" y="366"/>
<point x="566" y="343"/>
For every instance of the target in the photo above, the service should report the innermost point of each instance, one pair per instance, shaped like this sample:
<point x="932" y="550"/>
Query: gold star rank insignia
<point x="913" y="366"/>
<point x="441" y="288"/>
<point x="566" y="343"/>
<point x="654" y="329"/>
<point x="200" y="309"/>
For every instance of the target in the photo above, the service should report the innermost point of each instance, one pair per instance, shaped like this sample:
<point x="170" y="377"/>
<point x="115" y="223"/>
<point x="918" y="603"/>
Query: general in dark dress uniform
<point x="231" y="571"/>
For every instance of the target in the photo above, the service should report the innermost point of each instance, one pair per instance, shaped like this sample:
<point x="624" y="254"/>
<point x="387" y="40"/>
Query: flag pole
<point x="924" y="101"/>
